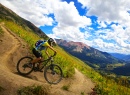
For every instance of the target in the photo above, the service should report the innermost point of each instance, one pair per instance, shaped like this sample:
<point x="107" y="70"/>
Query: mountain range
<point x="121" y="56"/>
<point x="88" y="54"/>
<point x="93" y="56"/>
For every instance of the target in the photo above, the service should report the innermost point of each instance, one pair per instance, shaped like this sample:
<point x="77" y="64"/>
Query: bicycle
<point x="52" y="72"/>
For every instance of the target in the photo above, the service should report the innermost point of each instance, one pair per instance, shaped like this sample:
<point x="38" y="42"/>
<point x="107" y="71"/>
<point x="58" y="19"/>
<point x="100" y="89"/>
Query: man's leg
<point x="37" y="55"/>
<point x="36" y="60"/>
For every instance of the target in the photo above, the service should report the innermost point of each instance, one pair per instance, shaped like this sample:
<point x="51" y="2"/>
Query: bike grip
<point x="54" y="54"/>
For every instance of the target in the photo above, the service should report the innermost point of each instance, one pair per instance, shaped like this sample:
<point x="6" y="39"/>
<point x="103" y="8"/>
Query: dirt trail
<point x="8" y="77"/>
<point x="11" y="50"/>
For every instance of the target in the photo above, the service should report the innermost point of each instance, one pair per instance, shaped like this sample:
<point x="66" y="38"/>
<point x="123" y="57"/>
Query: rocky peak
<point x="76" y="46"/>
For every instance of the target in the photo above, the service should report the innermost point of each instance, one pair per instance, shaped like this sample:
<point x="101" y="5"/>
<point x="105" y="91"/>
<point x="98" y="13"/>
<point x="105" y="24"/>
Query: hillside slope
<point x="11" y="50"/>
<point x="6" y="13"/>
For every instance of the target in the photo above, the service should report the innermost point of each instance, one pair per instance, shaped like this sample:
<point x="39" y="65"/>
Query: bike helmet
<point x="51" y="42"/>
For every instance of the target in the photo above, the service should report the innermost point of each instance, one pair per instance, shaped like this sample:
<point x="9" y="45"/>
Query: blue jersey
<point x="42" y="45"/>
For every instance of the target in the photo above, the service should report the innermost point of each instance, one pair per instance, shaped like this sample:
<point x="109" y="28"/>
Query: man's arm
<point x="47" y="52"/>
<point x="51" y="49"/>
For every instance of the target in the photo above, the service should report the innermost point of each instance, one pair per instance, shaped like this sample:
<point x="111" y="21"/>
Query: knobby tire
<point x="20" y="62"/>
<point x="57" y="73"/>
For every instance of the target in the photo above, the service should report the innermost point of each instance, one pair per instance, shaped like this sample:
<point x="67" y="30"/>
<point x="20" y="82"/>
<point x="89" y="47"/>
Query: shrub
<point x="1" y="89"/>
<point x="33" y="90"/>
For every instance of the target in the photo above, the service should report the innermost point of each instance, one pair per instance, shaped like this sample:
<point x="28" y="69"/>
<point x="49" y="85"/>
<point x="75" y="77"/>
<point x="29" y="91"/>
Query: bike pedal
<point x="40" y="71"/>
<point x="36" y="69"/>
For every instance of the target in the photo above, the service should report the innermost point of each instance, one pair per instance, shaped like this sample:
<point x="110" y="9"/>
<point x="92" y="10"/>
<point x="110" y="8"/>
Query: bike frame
<point x="45" y="62"/>
<point x="51" y="69"/>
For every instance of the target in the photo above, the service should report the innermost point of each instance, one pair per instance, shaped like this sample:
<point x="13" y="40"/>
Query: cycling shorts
<point x="36" y="53"/>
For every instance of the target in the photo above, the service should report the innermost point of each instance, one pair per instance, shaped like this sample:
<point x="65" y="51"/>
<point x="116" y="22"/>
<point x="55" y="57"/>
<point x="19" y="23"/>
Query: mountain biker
<point x="44" y="45"/>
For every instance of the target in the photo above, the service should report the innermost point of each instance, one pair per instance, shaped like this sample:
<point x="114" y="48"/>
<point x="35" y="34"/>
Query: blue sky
<point x="102" y="24"/>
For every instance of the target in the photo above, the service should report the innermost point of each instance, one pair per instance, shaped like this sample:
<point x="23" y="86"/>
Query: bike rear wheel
<point x="53" y="74"/>
<point x="22" y="66"/>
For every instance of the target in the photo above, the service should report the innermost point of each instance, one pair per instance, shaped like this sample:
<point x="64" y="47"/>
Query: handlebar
<point x="54" y="54"/>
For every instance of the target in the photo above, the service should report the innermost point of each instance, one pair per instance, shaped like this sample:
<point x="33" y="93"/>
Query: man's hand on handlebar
<point x="54" y="54"/>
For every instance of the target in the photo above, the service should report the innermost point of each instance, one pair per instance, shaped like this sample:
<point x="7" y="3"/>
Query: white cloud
<point x="111" y="11"/>
<point x="102" y="24"/>
<point x="107" y="10"/>
<point x="67" y="20"/>
<point x="67" y="15"/>
<point x="67" y="33"/>
<point x="35" y="11"/>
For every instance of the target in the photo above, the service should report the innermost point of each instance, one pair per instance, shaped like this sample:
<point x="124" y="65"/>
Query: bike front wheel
<point x="53" y="74"/>
<point x="23" y="67"/>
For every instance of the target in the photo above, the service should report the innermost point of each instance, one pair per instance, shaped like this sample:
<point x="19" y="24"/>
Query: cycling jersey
<point x="42" y="46"/>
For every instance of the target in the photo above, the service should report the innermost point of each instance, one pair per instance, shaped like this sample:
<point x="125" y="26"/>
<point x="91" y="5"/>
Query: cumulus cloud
<point x="69" y="22"/>
<point x="35" y="11"/>
<point x="67" y="15"/>
<point x="107" y="13"/>
<point x="107" y="10"/>
<point x="111" y="34"/>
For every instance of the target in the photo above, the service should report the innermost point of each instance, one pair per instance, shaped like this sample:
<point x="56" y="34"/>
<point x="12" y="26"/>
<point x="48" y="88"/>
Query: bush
<point x="1" y="31"/>
<point x="33" y="90"/>
<point x="1" y="89"/>
<point x="66" y="87"/>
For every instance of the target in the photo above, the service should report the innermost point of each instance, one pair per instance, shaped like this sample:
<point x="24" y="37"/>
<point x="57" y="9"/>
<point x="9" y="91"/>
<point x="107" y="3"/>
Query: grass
<point x="1" y="31"/>
<point x="105" y="85"/>
<point x="33" y="90"/>
<point x="66" y="87"/>
<point x="82" y="93"/>
<point x="1" y="89"/>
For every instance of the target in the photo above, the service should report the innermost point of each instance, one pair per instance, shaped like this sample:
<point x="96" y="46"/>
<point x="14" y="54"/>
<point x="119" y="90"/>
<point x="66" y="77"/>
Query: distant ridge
<point x="121" y="56"/>
<point x="6" y="13"/>
<point x="87" y="53"/>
